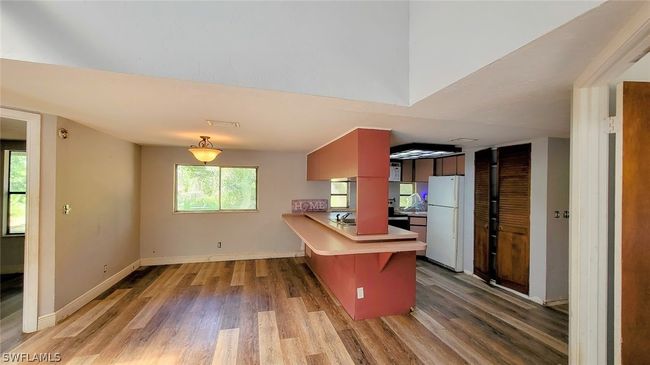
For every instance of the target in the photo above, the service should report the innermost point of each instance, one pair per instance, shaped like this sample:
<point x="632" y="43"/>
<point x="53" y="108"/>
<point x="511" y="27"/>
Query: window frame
<point x="7" y="193"/>
<point x="257" y="191"/>
<point x="406" y="195"/>
<point x="347" y="194"/>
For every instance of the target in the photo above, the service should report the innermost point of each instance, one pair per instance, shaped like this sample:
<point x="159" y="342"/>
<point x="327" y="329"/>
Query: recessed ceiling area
<point x="523" y="95"/>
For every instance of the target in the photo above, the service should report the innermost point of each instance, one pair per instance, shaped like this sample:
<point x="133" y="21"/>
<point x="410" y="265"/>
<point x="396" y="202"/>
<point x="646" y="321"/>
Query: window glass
<point x="238" y="188"/>
<point x="197" y="188"/>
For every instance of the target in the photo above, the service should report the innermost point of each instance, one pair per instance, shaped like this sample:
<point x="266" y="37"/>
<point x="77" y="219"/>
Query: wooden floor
<point x="11" y="311"/>
<point x="275" y="311"/>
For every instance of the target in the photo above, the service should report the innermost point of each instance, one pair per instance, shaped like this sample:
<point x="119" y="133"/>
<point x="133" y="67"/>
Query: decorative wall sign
<point x="309" y="205"/>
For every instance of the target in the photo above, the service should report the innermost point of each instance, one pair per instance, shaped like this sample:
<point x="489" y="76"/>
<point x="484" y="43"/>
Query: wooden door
<point x="635" y="244"/>
<point x="482" y="162"/>
<point x="513" y="236"/>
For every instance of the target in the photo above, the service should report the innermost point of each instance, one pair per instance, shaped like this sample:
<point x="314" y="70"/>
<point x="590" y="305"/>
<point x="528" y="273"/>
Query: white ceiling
<point x="523" y="95"/>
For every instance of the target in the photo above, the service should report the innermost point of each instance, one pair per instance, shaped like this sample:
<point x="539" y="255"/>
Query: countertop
<point x="325" y="241"/>
<point x="350" y="232"/>
<point x="411" y="214"/>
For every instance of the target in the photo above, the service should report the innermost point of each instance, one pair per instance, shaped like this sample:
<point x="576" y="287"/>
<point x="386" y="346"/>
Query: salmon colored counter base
<point x="384" y="270"/>
<point x="386" y="292"/>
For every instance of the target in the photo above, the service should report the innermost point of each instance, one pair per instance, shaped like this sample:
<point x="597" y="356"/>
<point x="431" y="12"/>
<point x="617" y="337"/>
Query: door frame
<point x="32" y="239"/>
<point x="588" y="237"/>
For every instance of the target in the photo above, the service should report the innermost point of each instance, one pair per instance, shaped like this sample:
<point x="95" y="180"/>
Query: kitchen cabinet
<point x="423" y="169"/>
<point x="418" y="224"/>
<point x="449" y="166"/>
<point x="407" y="170"/>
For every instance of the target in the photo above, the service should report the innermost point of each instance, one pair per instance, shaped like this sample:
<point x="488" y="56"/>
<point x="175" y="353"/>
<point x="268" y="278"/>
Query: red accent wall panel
<point x="387" y="291"/>
<point x="372" y="205"/>
<point x="374" y="153"/>
<point x="338" y="159"/>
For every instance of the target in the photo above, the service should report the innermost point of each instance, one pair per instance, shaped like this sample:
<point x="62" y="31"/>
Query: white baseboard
<point x="151" y="261"/>
<point x="46" y="321"/>
<point x="12" y="269"/>
<point x="93" y="293"/>
<point x="550" y="303"/>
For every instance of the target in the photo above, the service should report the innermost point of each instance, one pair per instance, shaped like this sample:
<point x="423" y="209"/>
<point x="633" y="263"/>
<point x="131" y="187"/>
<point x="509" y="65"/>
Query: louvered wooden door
<point x="513" y="232"/>
<point x="482" y="162"/>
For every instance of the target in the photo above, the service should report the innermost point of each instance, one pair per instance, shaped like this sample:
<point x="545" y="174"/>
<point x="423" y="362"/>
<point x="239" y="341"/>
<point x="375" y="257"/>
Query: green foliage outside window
<point x="17" y="192"/>
<point x="212" y="188"/>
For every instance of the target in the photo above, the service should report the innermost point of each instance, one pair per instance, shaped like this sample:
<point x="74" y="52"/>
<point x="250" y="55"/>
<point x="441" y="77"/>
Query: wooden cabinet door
<point x="513" y="247"/>
<point x="407" y="170"/>
<point x="449" y="166"/>
<point x="423" y="169"/>
<point x="482" y="161"/>
<point x="635" y="245"/>
<point x="460" y="165"/>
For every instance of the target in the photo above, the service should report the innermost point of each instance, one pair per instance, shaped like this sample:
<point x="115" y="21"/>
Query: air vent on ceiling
<point x="218" y="123"/>
<point x="411" y="151"/>
<point x="463" y="140"/>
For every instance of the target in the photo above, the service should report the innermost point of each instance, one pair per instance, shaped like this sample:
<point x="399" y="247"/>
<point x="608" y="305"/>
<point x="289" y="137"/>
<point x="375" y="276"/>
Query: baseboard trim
<point x="550" y="303"/>
<point x="46" y="321"/>
<point x="169" y="260"/>
<point x="93" y="293"/>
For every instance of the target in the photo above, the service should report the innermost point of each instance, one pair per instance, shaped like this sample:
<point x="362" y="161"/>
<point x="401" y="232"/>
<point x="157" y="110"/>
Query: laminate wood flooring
<point x="275" y="311"/>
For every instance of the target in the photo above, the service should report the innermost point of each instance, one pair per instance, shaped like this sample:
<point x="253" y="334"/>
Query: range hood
<point x="412" y="151"/>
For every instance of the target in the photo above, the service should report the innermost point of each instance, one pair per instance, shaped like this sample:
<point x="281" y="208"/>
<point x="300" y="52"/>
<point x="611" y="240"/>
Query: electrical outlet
<point x="360" y="293"/>
<point x="219" y="244"/>
<point x="105" y="268"/>
<point x="66" y="209"/>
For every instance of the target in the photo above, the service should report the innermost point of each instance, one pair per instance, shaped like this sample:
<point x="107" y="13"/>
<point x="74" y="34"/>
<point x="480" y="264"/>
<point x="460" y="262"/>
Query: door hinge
<point x="612" y="125"/>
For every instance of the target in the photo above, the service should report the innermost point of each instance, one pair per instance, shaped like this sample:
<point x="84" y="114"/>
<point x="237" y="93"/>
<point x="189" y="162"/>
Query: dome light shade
<point x="205" y="151"/>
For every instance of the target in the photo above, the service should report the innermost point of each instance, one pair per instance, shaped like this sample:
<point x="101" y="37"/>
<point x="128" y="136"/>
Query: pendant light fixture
<point x="205" y="151"/>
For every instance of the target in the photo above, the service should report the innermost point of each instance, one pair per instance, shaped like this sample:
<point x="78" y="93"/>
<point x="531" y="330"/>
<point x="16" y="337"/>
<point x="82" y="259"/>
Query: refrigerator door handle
<point x="454" y="226"/>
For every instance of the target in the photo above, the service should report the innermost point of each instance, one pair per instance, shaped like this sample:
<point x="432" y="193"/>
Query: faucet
<point x="338" y="219"/>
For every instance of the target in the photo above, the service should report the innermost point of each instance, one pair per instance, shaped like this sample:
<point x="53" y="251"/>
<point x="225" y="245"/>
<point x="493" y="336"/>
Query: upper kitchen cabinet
<point x="423" y="169"/>
<point x="362" y="152"/>
<point x="451" y="165"/>
<point x="407" y="170"/>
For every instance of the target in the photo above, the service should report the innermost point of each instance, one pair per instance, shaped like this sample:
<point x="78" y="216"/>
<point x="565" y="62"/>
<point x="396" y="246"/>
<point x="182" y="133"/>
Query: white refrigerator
<point x="445" y="221"/>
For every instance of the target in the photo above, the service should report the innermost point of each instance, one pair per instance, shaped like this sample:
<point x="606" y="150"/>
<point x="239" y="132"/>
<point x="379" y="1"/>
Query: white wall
<point x="281" y="178"/>
<point x="99" y="176"/>
<point x="538" y="214"/>
<point x="449" y="40"/>
<point x="557" y="255"/>
<point x="352" y="50"/>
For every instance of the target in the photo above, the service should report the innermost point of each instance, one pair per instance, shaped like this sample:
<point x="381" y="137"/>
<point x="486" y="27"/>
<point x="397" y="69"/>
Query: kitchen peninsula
<point x="368" y="265"/>
<point x="370" y="278"/>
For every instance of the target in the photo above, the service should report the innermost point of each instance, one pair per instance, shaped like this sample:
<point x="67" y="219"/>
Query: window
<point x="214" y="188"/>
<point x="339" y="190"/>
<point x="16" y="188"/>
<point x="405" y="191"/>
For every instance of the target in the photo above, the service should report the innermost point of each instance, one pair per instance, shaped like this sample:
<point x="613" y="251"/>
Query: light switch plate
<point x="360" y="293"/>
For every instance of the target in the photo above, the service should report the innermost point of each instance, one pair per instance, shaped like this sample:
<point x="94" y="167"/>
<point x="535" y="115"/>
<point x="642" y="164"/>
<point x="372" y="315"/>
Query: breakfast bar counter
<point x="369" y="278"/>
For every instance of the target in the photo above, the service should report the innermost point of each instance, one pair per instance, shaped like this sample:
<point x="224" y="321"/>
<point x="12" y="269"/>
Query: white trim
<point x="45" y="321"/>
<point x="169" y="260"/>
<point x="552" y="303"/>
<point x="30" y="281"/>
<point x="346" y="133"/>
<point x="93" y="293"/>
<point x="589" y="196"/>
<point x="521" y="295"/>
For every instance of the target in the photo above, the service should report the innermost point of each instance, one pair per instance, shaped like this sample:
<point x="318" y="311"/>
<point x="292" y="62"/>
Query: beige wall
<point x="281" y="177"/>
<point x="99" y="176"/>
